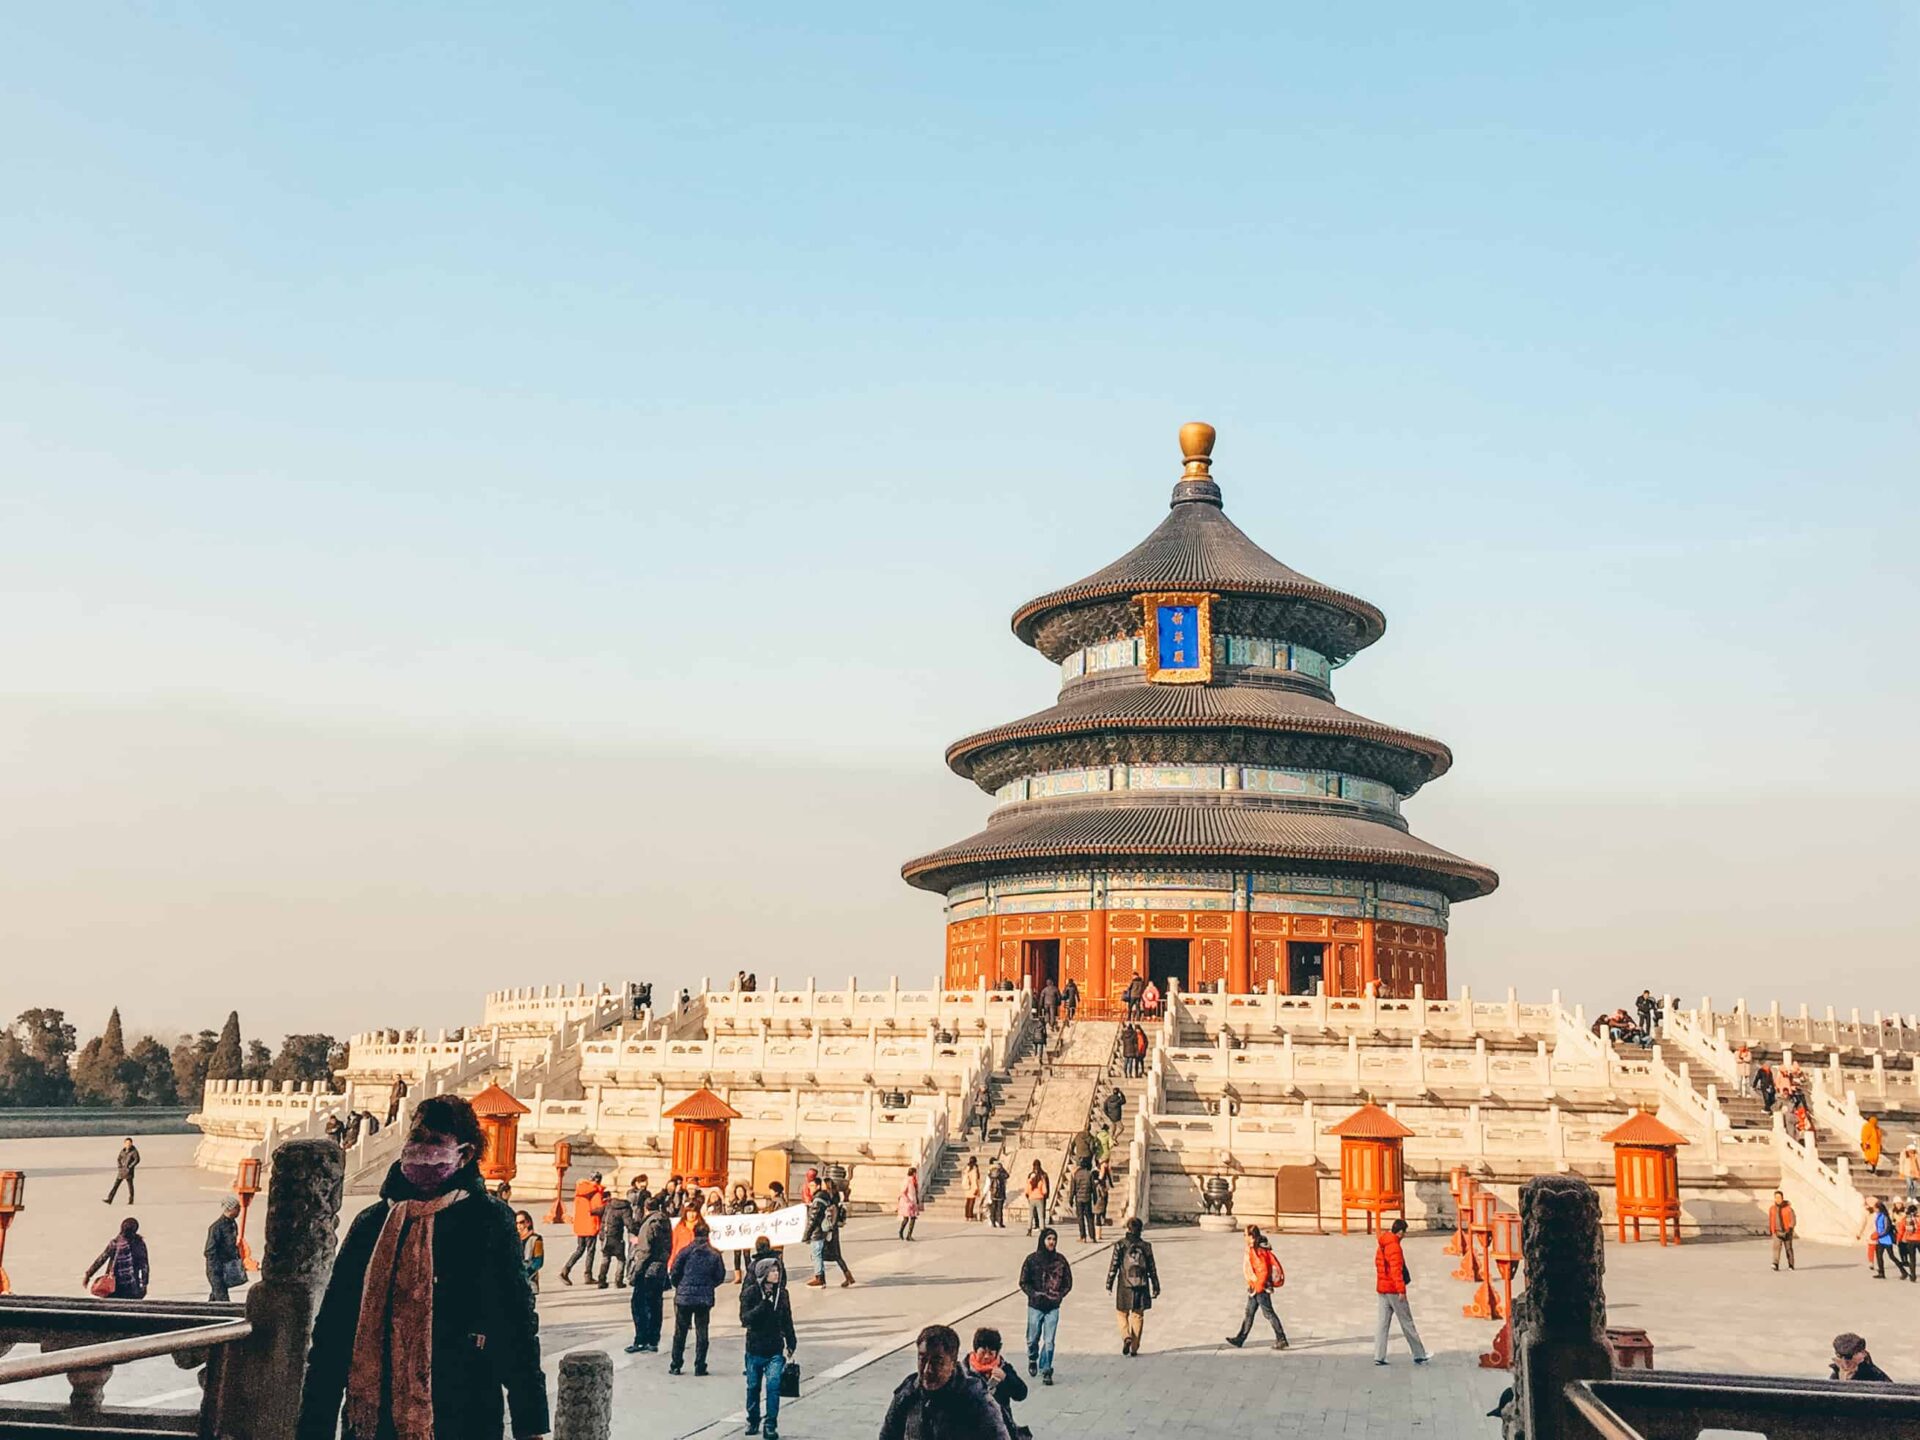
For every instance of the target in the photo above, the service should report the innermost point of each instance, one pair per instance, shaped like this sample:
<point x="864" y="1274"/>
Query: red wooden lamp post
<point x="246" y="1185"/>
<point x="13" y="1199"/>
<point x="1469" y="1266"/>
<point x="701" y="1136"/>
<point x="499" y="1116"/>
<point x="562" y="1158"/>
<point x="1457" y="1181"/>
<point x="1505" y="1253"/>
<point x="1372" y="1167"/>
<point x="1485" y="1305"/>
<point x="1646" y="1174"/>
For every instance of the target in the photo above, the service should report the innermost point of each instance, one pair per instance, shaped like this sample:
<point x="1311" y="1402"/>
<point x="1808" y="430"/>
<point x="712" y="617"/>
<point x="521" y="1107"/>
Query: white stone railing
<point x="555" y="1004"/>
<point x="287" y="1102"/>
<point x="1827" y="1203"/>
<point x="1413" y="1066"/>
<point x="957" y="1010"/>
<point x="769" y="1118"/>
<point x="1464" y="1019"/>
<point x="1894" y="1033"/>
<point x="854" y="1059"/>
<point x="1713" y="1053"/>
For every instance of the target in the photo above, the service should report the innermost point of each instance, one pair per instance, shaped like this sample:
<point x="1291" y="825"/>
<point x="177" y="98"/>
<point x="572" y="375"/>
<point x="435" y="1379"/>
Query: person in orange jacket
<point x="1390" y="1279"/>
<point x="683" y="1228"/>
<point x="1908" y="1232"/>
<point x="589" y="1202"/>
<point x="1264" y="1276"/>
<point x="1780" y="1223"/>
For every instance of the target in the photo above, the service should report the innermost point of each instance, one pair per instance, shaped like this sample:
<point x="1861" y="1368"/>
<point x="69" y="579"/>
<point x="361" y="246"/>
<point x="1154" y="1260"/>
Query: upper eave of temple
<point x="1197" y="548"/>
<point x="1186" y="710"/>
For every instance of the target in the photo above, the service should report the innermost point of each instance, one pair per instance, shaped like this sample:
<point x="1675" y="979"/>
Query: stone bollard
<point x="1560" y="1319"/>
<point x="257" y="1396"/>
<point x="583" y="1408"/>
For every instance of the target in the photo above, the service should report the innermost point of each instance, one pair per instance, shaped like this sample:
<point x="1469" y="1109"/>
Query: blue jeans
<point x="1042" y="1326"/>
<point x="764" y="1371"/>
<point x="819" y="1257"/>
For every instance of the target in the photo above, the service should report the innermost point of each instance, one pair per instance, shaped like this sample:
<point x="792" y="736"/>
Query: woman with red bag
<point x="122" y="1265"/>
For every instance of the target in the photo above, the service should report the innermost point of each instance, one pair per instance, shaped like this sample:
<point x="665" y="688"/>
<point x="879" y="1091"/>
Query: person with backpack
<point x="1046" y="1278"/>
<point x="1780" y="1223"/>
<point x="1038" y="1189"/>
<point x="652" y="1250"/>
<point x="825" y="1217"/>
<point x="1081" y="1191"/>
<point x="122" y="1265"/>
<point x="1391" y="1278"/>
<point x="997" y="1178"/>
<point x="1264" y="1276"/>
<point x="766" y="1315"/>
<point x="1134" y="1279"/>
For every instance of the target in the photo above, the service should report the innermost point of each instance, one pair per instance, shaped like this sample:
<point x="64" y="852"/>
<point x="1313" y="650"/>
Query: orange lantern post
<point x="1457" y="1181"/>
<point x="701" y="1135"/>
<point x="1469" y="1266"/>
<point x="1485" y="1305"/>
<point x="562" y="1158"/>
<point x="246" y="1185"/>
<point x="1646" y="1174"/>
<point x="1505" y="1253"/>
<point x="13" y="1199"/>
<point x="499" y="1115"/>
<point x="1372" y="1168"/>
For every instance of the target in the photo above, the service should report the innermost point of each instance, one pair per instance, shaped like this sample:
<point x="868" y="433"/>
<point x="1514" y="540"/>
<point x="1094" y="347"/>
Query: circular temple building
<point x="1195" y="807"/>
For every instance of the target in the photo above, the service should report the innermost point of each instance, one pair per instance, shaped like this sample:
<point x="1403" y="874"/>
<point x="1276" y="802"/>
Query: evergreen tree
<point x="259" y="1061"/>
<point x="35" y="1052"/>
<point x="146" y="1075"/>
<point x="96" y="1070"/>
<point x="305" y="1058"/>
<point x="191" y="1054"/>
<point x="226" y="1062"/>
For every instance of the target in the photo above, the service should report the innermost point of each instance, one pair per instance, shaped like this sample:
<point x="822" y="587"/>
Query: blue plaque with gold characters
<point x="1178" y="637"/>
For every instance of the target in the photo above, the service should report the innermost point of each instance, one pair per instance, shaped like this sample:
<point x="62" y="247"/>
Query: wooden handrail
<point x="121" y="1352"/>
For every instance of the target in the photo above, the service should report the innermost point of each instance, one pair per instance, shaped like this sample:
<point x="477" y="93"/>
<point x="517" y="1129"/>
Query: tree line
<point x="42" y="1063"/>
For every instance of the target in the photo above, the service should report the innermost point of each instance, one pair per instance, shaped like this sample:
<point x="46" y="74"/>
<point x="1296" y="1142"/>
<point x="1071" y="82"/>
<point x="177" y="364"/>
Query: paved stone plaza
<point x="1707" y="1306"/>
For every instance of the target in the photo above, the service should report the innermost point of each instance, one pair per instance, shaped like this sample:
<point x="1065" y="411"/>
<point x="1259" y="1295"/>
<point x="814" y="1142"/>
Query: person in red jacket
<point x="1264" y="1276"/>
<point x="1390" y="1280"/>
<point x="589" y="1202"/>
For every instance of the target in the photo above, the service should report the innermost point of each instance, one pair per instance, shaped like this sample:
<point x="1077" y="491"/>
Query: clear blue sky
<point x="717" y="380"/>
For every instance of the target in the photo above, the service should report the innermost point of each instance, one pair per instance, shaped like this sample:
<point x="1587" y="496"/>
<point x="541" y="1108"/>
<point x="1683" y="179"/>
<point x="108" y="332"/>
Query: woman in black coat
<point x="1134" y="1279"/>
<point x="428" y="1316"/>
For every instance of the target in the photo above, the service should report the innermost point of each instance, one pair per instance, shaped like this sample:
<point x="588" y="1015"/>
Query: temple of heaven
<point x="1195" y="807"/>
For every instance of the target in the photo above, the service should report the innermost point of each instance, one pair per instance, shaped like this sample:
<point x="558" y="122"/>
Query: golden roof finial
<point x="1196" y="444"/>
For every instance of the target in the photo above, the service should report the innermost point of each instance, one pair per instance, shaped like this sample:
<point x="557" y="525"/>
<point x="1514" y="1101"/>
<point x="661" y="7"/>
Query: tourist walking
<point x="766" y="1315"/>
<point x="1871" y="1141"/>
<point x="1102" y="1194"/>
<point x="1038" y="1189"/>
<point x="1080" y="1192"/>
<point x="616" y="1223"/>
<point x="1908" y="1233"/>
<point x="1852" y="1362"/>
<point x="427" y="1316"/>
<point x="1743" y="1064"/>
<point x="938" y="1401"/>
<point x="1881" y="1239"/>
<point x="652" y="1251"/>
<point x="1046" y="1278"/>
<point x="970" y="1186"/>
<point x="1114" y="1106"/>
<point x="225" y="1270"/>
<point x="1134" y="1279"/>
<point x="1764" y="1087"/>
<point x="533" y="1249"/>
<point x="122" y="1265"/>
<point x="589" y="1204"/>
<point x="1910" y="1169"/>
<point x="1150" y="1000"/>
<point x="997" y="1178"/>
<point x="1264" y="1276"/>
<point x="908" y="1205"/>
<point x="124" y="1165"/>
<point x="1391" y="1278"/>
<point x="999" y="1379"/>
<point x="982" y="1107"/>
<point x="1780" y="1223"/>
<point x="825" y="1217"/>
<point x="1071" y="997"/>
<point x="1131" y="995"/>
<point x="697" y="1273"/>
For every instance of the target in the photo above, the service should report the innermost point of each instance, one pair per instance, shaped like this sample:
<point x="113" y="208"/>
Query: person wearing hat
<point x="224" y="1269"/>
<point x="1910" y="1169"/>
<point x="1852" y="1362"/>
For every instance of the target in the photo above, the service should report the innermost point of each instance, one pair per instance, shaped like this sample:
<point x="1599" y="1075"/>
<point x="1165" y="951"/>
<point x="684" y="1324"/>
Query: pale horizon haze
<point x="493" y="498"/>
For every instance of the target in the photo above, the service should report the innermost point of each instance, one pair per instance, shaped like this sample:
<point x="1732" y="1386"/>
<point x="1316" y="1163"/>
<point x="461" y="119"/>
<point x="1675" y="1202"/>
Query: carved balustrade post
<point x="1560" y="1319"/>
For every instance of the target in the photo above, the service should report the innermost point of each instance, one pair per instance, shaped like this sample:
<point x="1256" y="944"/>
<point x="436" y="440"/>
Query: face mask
<point x="428" y="1166"/>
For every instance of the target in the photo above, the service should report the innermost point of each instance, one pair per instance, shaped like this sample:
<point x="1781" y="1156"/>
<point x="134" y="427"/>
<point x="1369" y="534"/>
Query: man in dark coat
<point x="697" y="1273"/>
<point x="223" y="1252"/>
<point x="617" y="1222"/>
<point x="1134" y="1279"/>
<point x="652" y="1249"/>
<point x="766" y="1315"/>
<point x="1114" y="1106"/>
<point x="1046" y="1278"/>
<point x="1081" y="1191"/>
<point x="124" y="1165"/>
<point x="484" y="1337"/>
<point x="938" y="1401"/>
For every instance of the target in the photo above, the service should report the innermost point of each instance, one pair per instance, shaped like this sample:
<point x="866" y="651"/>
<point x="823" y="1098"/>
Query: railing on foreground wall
<point x="85" y="1339"/>
<point x="1565" y="1386"/>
